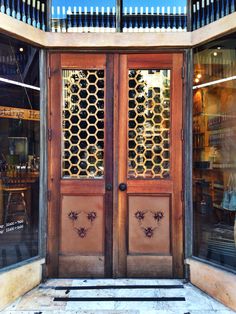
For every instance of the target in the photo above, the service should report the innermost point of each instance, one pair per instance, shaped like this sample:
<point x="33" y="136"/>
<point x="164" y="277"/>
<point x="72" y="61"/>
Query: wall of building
<point x="18" y="281"/>
<point x="216" y="282"/>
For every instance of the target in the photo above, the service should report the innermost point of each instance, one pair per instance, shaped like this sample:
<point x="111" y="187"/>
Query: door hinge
<point x="47" y="258"/>
<point x="182" y="135"/>
<point x="49" y="195"/>
<point x="187" y="272"/>
<point x="182" y="195"/>
<point x="49" y="134"/>
<point x="183" y="72"/>
<point x="49" y="72"/>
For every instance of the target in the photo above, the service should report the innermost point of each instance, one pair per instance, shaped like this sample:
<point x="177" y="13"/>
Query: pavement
<point x="164" y="297"/>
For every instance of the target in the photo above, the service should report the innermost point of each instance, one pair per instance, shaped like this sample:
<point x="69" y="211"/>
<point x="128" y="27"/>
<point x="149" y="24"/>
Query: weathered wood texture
<point x="81" y="196"/>
<point x="152" y="266"/>
<point x="80" y="234"/>
<point x="76" y="266"/>
<point x="132" y="241"/>
<point x="54" y="165"/>
<point x="216" y="282"/>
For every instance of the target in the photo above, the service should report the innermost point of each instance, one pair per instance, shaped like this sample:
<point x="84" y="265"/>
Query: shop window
<point x="214" y="152"/>
<point x="19" y="151"/>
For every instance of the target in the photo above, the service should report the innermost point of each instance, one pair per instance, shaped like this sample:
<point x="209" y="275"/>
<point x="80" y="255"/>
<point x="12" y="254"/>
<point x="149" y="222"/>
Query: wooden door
<point x="115" y="165"/>
<point x="80" y="165"/>
<point x="150" y="221"/>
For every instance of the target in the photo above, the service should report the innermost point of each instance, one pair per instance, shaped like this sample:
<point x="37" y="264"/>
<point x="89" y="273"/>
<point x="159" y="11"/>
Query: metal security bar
<point x="205" y="12"/>
<point x="31" y="12"/>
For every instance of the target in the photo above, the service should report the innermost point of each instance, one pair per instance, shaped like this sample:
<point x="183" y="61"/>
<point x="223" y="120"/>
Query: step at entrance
<point x="41" y="299"/>
<point x="119" y="292"/>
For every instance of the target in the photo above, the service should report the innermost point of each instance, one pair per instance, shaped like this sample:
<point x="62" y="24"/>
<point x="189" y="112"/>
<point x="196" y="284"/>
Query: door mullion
<point x="109" y="165"/>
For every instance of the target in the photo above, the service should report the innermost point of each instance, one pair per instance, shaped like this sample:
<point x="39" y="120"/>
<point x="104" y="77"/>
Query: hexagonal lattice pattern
<point x="149" y="124"/>
<point x="83" y="124"/>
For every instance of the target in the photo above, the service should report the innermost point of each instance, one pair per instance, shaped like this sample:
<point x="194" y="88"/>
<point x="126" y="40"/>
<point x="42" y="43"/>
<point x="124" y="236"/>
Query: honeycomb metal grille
<point x="83" y="124"/>
<point x="149" y="124"/>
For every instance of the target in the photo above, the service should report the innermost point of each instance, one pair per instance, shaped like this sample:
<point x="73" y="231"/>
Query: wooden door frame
<point x="53" y="219"/>
<point x="119" y="133"/>
<point x="58" y="61"/>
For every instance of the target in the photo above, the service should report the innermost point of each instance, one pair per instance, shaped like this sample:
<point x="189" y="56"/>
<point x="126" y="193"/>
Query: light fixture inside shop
<point x="21" y="49"/>
<point x="231" y="78"/>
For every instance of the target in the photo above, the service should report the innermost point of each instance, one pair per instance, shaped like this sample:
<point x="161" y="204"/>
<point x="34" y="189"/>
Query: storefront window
<point x="214" y="152"/>
<point x="19" y="151"/>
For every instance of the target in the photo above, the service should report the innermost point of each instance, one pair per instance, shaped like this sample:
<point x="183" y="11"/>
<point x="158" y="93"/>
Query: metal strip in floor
<point x="107" y="299"/>
<point x="118" y="287"/>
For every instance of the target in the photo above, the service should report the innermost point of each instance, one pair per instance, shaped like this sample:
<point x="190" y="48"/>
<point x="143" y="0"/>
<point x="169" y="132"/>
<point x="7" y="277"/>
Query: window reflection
<point x="214" y="151"/>
<point x="19" y="151"/>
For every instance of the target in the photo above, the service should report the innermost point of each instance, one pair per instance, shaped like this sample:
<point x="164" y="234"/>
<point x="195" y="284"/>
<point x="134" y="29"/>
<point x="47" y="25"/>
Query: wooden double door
<point x="115" y="165"/>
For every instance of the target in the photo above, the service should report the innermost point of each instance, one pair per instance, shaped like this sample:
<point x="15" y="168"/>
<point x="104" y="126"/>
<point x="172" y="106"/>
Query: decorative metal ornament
<point x="149" y="120"/>
<point x="139" y="215"/>
<point x="157" y="217"/>
<point x="92" y="216"/>
<point x="73" y="215"/>
<point x="83" y="123"/>
<point x="82" y="231"/>
<point x="149" y="232"/>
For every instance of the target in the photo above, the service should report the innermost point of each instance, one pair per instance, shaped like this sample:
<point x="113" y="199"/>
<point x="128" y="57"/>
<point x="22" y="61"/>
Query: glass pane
<point x="67" y="16"/>
<point x="83" y="124"/>
<point x="214" y="151"/>
<point x="154" y="16"/>
<point x="19" y="154"/>
<point x="19" y="62"/>
<point x="216" y="62"/>
<point x="149" y="124"/>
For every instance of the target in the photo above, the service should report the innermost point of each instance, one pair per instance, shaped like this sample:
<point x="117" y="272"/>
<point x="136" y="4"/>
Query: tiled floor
<point x="40" y="300"/>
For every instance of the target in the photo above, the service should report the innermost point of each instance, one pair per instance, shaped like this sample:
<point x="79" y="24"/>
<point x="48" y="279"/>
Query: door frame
<point x="58" y="62"/>
<point x="53" y="219"/>
<point x="121" y="228"/>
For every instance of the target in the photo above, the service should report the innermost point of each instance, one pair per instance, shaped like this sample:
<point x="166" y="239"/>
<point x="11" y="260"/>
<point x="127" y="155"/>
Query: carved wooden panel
<point x="149" y="224"/>
<point x="82" y="225"/>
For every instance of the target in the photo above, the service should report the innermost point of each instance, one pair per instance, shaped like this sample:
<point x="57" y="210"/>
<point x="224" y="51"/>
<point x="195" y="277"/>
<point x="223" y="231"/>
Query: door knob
<point x="122" y="186"/>
<point x="108" y="186"/>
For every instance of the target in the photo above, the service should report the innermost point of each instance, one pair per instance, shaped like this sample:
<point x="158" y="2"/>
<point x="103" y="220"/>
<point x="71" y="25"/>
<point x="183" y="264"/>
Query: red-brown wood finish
<point x="81" y="246"/>
<point x="121" y="249"/>
<point x="159" y="254"/>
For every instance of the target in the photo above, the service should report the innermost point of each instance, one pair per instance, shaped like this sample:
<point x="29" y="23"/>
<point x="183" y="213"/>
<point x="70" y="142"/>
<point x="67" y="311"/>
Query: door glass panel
<point x="83" y="124"/>
<point x="149" y="124"/>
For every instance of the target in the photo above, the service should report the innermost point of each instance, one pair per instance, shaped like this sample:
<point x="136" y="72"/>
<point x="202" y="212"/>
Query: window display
<point x="19" y="151"/>
<point x="214" y="152"/>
